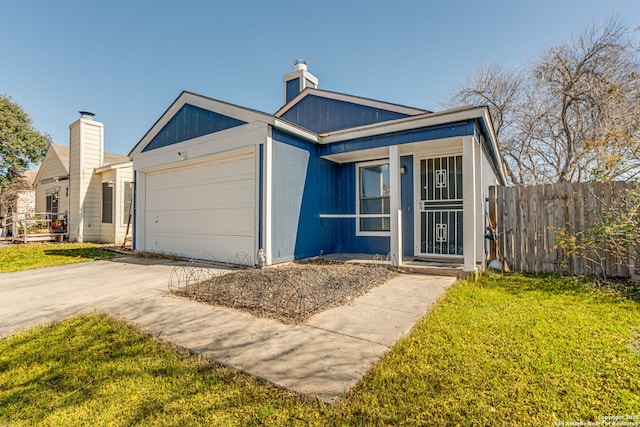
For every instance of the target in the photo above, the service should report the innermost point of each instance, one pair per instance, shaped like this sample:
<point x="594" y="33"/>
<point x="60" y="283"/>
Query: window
<point x="107" y="202"/>
<point x="373" y="198"/>
<point x="52" y="203"/>
<point x="126" y="206"/>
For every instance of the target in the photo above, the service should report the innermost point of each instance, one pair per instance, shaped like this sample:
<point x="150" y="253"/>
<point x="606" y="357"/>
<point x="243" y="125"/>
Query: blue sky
<point x="126" y="61"/>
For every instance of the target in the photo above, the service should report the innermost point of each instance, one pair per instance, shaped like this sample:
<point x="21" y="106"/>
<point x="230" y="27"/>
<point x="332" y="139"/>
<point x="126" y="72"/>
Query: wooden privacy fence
<point x="527" y="221"/>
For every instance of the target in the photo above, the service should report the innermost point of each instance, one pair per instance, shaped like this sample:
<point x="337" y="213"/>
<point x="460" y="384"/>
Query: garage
<point x="203" y="208"/>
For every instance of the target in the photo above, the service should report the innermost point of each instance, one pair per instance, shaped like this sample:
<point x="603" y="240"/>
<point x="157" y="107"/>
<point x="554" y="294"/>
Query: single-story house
<point x="86" y="191"/>
<point x="327" y="173"/>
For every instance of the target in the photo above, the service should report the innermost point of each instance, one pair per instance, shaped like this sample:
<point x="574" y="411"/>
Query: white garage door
<point x="203" y="209"/>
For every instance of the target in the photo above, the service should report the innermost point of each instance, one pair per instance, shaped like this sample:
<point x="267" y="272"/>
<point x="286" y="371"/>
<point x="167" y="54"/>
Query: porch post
<point x="394" y="204"/>
<point x="469" y="202"/>
<point x="267" y="195"/>
<point x="480" y="210"/>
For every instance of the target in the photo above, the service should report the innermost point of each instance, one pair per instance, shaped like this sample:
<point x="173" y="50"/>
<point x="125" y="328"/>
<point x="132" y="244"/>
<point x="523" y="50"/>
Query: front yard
<point x="505" y="350"/>
<point x="28" y="256"/>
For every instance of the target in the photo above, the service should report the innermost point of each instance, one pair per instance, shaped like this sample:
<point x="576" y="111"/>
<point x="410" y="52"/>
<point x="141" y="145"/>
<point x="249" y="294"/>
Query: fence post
<point x="493" y="222"/>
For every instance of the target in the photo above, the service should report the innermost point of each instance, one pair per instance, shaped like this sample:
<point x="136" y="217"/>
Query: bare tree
<point x="572" y="114"/>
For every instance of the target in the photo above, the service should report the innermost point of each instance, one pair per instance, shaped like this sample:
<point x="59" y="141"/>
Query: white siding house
<point x="85" y="185"/>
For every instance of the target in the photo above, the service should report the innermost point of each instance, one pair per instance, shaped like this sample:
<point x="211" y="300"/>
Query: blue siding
<point x="350" y="242"/>
<point x="320" y="114"/>
<point x="292" y="88"/>
<point x="304" y="186"/>
<point x="398" y="138"/>
<point x="191" y="122"/>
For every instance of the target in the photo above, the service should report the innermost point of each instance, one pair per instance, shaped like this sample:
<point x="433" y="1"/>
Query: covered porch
<point x="35" y="227"/>
<point x="425" y="199"/>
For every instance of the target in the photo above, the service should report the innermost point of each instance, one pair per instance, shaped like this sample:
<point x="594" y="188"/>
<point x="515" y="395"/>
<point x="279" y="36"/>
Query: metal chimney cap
<point x="300" y="64"/>
<point x="86" y="115"/>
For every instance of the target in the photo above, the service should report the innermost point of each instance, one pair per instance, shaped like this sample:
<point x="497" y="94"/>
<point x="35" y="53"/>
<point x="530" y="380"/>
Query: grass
<point x="37" y="255"/>
<point x="505" y="350"/>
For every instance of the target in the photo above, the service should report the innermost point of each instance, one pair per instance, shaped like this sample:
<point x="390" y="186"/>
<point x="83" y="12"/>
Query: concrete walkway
<point x="323" y="358"/>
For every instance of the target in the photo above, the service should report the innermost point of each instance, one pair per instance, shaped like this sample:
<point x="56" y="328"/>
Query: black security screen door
<point x="440" y="207"/>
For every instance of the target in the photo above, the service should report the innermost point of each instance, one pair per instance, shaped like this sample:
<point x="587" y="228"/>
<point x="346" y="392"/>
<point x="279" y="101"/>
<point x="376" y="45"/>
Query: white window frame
<point x="125" y="212"/>
<point x="111" y="185"/>
<point x="358" y="215"/>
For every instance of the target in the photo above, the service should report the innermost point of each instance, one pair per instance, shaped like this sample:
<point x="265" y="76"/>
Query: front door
<point x="438" y="222"/>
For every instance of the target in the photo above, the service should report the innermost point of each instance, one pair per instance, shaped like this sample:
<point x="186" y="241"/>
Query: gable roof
<point x="29" y="176"/>
<point x="383" y="118"/>
<point x="324" y="111"/>
<point x="222" y="115"/>
<point x="389" y="106"/>
<point x="62" y="151"/>
<point x="111" y="158"/>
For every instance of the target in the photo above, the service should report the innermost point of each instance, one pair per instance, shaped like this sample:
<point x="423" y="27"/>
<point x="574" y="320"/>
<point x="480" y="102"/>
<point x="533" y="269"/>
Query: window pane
<point x="375" y="224"/>
<point x="374" y="197"/>
<point x="379" y="205"/>
<point x="107" y="203"/>
<point x="126" y="208"/>
<point x="374" y="181"/>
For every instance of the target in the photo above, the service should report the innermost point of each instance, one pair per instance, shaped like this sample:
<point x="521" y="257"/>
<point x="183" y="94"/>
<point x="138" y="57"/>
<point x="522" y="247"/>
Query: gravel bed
<point x="290" y="293"/>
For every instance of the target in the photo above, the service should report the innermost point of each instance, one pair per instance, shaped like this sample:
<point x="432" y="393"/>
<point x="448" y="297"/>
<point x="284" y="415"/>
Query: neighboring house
<point x="25" y="201"/>
<point x="327" y="173"/>
<point x="19" y="196"/>
<point x="85" y="189"/>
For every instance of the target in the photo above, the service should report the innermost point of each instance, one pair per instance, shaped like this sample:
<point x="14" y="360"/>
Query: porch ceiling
<point x="431" y="146"/>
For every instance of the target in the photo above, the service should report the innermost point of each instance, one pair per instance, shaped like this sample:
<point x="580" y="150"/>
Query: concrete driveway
<point x="323" y="357"/>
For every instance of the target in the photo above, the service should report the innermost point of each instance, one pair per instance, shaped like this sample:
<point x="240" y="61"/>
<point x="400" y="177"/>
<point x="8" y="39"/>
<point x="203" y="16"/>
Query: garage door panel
<point x="195" y="247"/>
<point x="207" y="207"/>
<point x="203" y="196"/>
<point x="237" y="222"/>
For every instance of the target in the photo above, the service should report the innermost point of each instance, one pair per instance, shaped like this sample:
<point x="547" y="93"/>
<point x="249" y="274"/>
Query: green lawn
<point x="37" y="255"/>
<point x="512" y="350"/>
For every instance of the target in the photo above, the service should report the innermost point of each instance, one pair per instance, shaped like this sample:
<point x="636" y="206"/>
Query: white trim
<point x="300" y="73"/>
<point x="203" y="146"/>
<point x="358" y="214"/>
<point x="480" y="208"/>
<point x="469" y="204"/>
<point x="420" y="148"/>
<point x="394" y="206"/>
<point x="367" y="102"/>
<point x="329" y="216"/>
<point x="256" y="203"/>
<point x="210" y="104"/>
<point x="413" y="122"/>
<point x="126" y="184"/>
<point x="114" y="188"/>
<point x="113" y="166"/>
<point x="288" y="127"/>
<point x="268" y="195"/>
<point x="417" y="220"/>
<point x="437" y="153"/>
